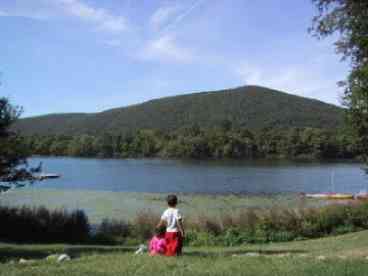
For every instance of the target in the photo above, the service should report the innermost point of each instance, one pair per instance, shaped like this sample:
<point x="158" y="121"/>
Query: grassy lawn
<point x="343" y="255"/>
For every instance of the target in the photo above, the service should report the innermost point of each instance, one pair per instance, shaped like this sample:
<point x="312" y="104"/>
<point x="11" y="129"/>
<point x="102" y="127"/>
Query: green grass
<point x="126" y="205"/>
<point x="345" y="255"/>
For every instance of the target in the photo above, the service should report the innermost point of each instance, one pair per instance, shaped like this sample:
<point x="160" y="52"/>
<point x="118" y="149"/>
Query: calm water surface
<point x="211" y="177"/>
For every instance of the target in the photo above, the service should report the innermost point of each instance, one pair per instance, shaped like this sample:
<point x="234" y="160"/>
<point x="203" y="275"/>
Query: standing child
<point x="173" y="220"/>
<point x="157" y="245"/>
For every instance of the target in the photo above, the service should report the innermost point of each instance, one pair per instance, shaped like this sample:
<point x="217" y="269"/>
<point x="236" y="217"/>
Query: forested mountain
<point x="250" y="107"/>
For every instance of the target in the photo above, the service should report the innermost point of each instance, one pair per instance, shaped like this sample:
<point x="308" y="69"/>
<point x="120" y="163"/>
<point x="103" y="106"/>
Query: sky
<point x="60" y="56"/>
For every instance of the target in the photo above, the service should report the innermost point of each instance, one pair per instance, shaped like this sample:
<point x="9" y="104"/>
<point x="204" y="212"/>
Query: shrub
<point x="196" y="238"/>
<point x="281" y="236"/>
<point x="26" y="224"/>
<point x="112" y="231"/>
<point x="144" y="224"/>
<point x="207" y="224"/>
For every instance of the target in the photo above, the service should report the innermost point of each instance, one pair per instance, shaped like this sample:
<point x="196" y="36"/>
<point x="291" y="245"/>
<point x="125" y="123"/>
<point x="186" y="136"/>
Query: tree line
<point x="202" y="143"/>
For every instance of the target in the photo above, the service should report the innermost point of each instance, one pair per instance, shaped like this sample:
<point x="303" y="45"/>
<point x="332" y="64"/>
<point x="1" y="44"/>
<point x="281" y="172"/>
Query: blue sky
<point x="91" y="55"/>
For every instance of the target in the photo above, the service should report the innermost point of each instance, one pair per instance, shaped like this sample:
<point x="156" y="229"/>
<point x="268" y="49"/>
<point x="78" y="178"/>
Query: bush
<point x="196" y="238"/>
<point x="112" y="231"/>
<point x="40" y="225"/>
<point x="144" y="224"/>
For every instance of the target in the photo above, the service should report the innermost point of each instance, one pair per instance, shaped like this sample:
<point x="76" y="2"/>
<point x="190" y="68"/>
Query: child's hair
<point x="172" y="200"/>
<point x="160" y="230"/>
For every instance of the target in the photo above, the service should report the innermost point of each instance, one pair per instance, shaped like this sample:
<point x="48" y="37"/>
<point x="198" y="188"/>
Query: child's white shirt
<point x="171" y="216"/>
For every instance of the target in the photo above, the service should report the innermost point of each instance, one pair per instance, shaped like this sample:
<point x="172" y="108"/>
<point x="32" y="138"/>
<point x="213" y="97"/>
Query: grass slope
<point x="249" y="106"/>
<point x="343" y="255"/>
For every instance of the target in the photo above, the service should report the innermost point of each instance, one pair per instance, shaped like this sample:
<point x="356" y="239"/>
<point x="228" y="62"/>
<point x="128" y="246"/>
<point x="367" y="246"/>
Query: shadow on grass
<point x="14" y="252"/>
<point x="8" y="253"/>
<point x="226" y="253"/>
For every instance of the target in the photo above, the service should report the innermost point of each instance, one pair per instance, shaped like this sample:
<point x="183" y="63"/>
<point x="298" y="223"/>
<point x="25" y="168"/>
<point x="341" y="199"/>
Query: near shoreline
<point x="125" y="205"/>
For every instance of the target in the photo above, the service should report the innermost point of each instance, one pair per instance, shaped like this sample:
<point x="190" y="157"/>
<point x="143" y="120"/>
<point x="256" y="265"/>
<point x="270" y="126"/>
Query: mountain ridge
<point x="253" y="107"/>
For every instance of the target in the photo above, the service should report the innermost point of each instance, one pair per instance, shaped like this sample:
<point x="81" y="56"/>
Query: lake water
<point x="210" y="177"/>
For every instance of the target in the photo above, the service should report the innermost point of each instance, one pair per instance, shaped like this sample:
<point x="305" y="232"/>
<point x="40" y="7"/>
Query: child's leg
<point x="179" y="245"/>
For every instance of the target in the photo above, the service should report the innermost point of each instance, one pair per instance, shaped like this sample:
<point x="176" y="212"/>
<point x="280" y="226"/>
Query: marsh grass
<point x="241" y="226"/>
<point x="254" y="225"/>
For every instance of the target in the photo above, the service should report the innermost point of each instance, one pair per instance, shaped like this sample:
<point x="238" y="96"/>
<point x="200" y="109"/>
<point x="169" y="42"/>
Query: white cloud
<point x="165" y="48"/>
<point x="104" y="19"/>
<point x="160" y="45"/>
<point x="162" y="15"/>
<point x="306" y="81"/>
<point x="179" y="18"/>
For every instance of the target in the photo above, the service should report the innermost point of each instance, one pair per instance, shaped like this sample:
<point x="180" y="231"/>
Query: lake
<point x="207" y="177"/>
<point x="120" y="188"/>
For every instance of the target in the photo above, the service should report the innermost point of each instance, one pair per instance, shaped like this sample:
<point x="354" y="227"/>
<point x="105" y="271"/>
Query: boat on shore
<point x="330" y="196"/>
<point x="43" y="176"/>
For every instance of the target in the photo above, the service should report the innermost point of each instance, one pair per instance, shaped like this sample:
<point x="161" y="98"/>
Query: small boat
<point x="4" y="188"/>
<point x="43" y="176"/>
<point x="330" y="196"/>
<point x="341" y="196"/>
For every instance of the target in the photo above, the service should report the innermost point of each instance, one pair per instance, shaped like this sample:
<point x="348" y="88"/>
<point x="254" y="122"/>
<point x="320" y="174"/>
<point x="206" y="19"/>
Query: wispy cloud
<point x="307" y="81"/>
<point x="179" y="18"/>
<point x="165" y="48"/>
<point x="103" y="18"/>
<point x="163" y="14"/>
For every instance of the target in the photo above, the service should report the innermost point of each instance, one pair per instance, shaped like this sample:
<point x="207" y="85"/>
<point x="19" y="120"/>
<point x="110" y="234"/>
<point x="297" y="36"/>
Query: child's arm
<point x="161" y="223"/>
<point x="181" y="227"/>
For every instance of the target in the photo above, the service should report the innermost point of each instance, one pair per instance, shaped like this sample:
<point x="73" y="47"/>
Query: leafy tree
<point x="13" y="152"/>
<point x="349" y="18"/>
<point x="84" y="146"/>
<point x="199" y="143"/>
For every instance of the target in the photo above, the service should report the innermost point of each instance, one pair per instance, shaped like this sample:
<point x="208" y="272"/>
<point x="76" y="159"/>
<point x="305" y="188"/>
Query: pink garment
<point x="157" y="246"/>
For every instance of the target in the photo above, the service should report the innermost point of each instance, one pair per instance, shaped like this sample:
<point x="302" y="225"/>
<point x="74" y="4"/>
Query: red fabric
<point x="174" y="243"/>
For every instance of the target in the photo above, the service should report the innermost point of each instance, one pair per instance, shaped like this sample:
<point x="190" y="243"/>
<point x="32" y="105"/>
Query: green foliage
<point x="13" y="152"/>
<point x="112" y="232"/>
<point x="40" y="225"/>
<point x="349" y="19"/>
<point x="199" y="143"/>
<point x="249" y="107"/>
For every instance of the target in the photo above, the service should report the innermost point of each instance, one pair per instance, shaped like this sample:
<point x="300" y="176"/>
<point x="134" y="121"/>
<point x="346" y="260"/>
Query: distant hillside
<point x="252" y="107"/>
